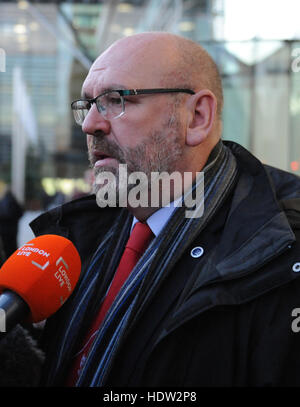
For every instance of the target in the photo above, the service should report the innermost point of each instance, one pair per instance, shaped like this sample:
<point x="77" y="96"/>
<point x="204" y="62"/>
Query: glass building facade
<point x="46" y="49"/>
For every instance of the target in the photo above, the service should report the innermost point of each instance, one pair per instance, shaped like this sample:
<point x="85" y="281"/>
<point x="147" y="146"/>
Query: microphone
<point x="37" y="279"/>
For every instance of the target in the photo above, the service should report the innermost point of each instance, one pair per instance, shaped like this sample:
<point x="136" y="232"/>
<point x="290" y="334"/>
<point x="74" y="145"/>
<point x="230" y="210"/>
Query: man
<point x="10" y="214"/>
<point x="213" y="298"/>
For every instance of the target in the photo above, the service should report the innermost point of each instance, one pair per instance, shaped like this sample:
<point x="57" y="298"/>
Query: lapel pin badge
<point x="296" y="267"/>
<point x="197" y="252"/>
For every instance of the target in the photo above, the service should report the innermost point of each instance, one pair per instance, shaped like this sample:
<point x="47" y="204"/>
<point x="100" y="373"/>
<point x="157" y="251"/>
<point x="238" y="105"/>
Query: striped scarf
<point x="146" y="277"/>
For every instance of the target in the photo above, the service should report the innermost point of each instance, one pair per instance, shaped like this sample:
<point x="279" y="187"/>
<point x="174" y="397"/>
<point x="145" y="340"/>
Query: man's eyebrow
<point x="86" y="95"/>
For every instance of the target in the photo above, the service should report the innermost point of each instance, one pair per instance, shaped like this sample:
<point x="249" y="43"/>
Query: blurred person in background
<point x="20" y="357"/>
<point x="209" y="301"/>
<point x="10" y="214"/>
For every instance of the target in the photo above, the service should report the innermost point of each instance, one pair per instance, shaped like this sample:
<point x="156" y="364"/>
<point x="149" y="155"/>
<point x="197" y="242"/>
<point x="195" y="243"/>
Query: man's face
<point x="149" y="137"/>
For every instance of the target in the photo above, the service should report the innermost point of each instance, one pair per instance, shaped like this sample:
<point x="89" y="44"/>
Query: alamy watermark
<point x="2" y="320"/>
<point x="296" y="62"/>
<point x="138" y="189"/>
<point x="296" y="322"/>
<point x="2" y="60"/>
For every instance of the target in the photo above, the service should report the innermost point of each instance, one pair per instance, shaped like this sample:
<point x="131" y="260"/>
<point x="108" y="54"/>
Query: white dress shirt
<point x="158" y="219"/>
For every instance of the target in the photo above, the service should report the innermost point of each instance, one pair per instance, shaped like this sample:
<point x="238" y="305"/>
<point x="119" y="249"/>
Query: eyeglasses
<point x="111" y="104"/>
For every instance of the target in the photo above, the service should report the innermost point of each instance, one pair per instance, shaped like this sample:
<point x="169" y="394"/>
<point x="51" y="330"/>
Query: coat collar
<point x="256" y="229"/>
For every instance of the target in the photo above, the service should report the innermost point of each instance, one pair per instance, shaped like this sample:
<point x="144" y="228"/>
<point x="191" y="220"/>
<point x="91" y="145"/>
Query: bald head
<point x="169" y="60"/>
<point x="157" y="131"/>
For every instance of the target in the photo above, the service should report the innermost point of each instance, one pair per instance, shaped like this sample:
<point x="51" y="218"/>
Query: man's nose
<point x="95" y="123"/>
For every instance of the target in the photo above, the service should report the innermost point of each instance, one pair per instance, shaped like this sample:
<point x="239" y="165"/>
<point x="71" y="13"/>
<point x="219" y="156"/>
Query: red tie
<point x="137" y="243"/>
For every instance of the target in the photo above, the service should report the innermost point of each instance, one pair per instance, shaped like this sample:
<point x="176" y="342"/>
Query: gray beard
<point x="160" y="153"/>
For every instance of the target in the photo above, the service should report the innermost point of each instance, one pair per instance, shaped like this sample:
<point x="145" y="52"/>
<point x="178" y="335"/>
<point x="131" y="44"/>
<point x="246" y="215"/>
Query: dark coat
<point x="224" y="319"/>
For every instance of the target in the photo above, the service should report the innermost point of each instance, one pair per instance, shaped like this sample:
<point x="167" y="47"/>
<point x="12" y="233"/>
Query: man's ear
<point x="203" y="114"/>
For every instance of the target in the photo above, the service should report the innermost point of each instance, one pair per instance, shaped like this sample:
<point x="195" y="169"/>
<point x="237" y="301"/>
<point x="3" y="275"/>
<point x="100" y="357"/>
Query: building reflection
<point x="54" y="43"/>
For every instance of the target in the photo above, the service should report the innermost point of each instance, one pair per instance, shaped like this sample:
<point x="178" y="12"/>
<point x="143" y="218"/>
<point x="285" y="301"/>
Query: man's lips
<point x="100" y="158"/>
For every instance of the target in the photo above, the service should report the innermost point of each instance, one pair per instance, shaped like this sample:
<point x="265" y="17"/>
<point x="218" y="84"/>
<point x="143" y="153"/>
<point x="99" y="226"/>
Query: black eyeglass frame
<point x="132" y="92"/>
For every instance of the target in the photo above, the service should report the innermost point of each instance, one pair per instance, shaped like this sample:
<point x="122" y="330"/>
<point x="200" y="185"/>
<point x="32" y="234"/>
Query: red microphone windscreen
<point x="43" y="272"/>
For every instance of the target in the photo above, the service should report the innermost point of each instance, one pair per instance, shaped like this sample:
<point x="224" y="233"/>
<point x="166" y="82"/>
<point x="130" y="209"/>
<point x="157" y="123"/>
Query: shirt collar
<point x="159" y="219"/>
